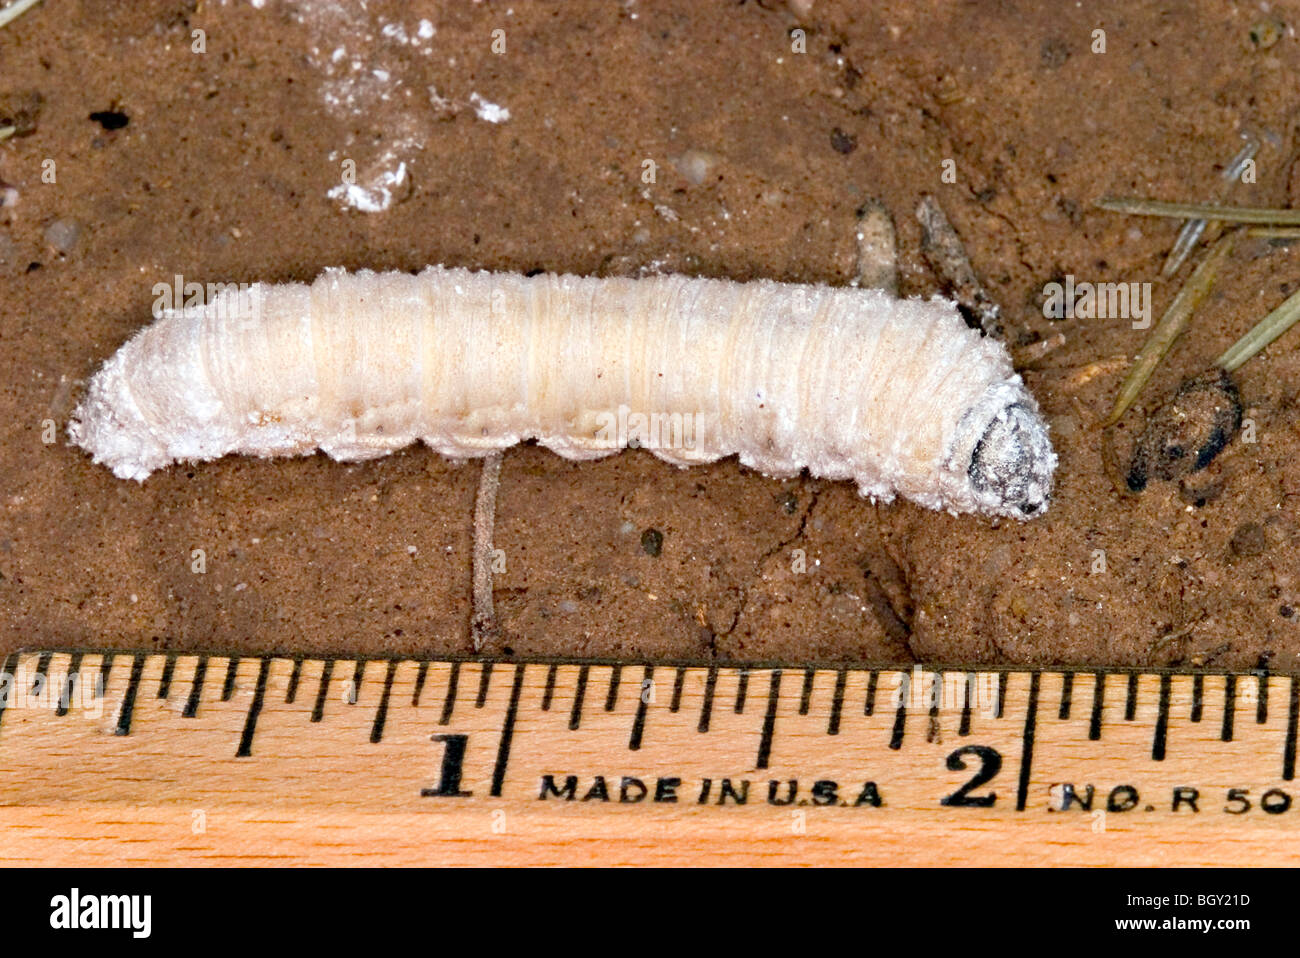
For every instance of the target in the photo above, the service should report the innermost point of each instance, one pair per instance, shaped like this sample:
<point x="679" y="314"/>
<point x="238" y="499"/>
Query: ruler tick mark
<point x="228" y="687"/>
<point x="105" y="667"/>
<point x="70" y="682"/>
<point x="165" y="683"/>
<point x="900" y="724"/>
<point x="507" y="733"/>
<point x="1229" y="707"/>
<point x="1292" y="714"/>
<point x="295" y="676"/>
<point x="1027" y="748"/>
<point x="128" y="698"/>
<point x="1002" y="694"/>
<point x="1131" y="698"/>
<point x="963" y="727"/>
<point x="742" y="690"/>
<point x="580" y="693"/>
<point x="549" y="694"/>
<point x="381" y="713"/>
<point x="449" y="701"/>
<point x="805" y="696"/>
<point x="638" y="724"/>
<point x="1162" y="720"/>
<point x="196" y="688"/>
<point x="484" y="680"/>
<point x="1098" y="700"/>
<point x="679" y="680"/>
<point x="869" y="707"/>
<point x="421" y="676"/>
<point x="1067" y="691"/>
<point x="354" y="687"/>
<point x="706" y="710"/>
<point x="769" y="718"/>
<point x="1261" y="703"/>
<point x="322" y="691"/>
<point x="42" y="669"/>
<point x="254" y="710"/>
<point x="1198" y="694"/>
<point x="611" y="696"/>
<point x="837" y="704"/>
<point x="7" y="679"/>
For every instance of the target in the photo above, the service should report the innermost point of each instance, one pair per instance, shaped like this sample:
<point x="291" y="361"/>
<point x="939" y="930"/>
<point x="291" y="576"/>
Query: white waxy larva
<point x="897" y="395"/>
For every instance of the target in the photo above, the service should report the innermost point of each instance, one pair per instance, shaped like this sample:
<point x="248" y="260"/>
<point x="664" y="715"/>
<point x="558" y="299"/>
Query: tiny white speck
<point x="490" y="112"/>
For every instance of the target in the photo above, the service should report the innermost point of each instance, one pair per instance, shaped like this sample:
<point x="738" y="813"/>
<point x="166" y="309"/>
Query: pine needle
<point x="1201" y="211"/>
<point x="16" y="10"/>
<point x="1265" y="331"/>
<point x="1171" y="325"/>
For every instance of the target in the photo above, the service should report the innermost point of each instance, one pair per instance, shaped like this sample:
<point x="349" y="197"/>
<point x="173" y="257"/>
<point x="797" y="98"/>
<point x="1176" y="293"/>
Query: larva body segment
<point x="897" y="395"/>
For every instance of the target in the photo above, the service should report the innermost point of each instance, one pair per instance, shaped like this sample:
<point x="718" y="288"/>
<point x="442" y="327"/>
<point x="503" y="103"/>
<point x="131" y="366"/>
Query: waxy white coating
<point x="897" y="395"/>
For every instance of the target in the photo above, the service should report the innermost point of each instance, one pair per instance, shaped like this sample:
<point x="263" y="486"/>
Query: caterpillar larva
<point x="897" y="395"/>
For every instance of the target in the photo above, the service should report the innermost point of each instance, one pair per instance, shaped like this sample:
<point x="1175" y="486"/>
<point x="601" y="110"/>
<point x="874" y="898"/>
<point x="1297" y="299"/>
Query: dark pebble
<point x="1248" y="540"/>
<point x="1053" y="53"/>
<point x="842" y="142"/>
<point x="652" y="542"/>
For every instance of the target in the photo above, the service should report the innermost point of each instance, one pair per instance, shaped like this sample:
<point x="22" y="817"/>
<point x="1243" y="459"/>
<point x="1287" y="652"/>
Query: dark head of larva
<point x="1013" y="461"/>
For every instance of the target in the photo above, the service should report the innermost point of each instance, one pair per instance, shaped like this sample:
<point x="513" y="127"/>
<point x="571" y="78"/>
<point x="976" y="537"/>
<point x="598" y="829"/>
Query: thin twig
<point x="483" y="621"/>
<point x="946" y="254"/>
<point x="1193" y="230"/>
<point x="1207" y="211"/>
<point x="16" y="10"/>
<point x="1171" y="326"/>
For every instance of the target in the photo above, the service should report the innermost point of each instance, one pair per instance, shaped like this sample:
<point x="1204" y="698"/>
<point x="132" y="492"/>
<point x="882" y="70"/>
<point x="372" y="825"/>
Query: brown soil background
<point x="221" y="175"/>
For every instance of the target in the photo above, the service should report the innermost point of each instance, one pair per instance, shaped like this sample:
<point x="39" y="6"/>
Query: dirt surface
<point x="218" y="165"/>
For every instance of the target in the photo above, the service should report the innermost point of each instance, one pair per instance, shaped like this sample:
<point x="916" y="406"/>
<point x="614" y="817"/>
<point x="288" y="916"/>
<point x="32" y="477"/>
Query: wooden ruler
<point x="123" y="758"/>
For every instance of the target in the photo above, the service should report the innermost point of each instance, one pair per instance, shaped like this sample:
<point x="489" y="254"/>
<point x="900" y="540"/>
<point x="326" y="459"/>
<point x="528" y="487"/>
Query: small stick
<point x="1208" y="211"/>
<point x="1193" y="230"/>
<point x="483" y="623"/>
<point x="16" y="10"/>
<point x="944" y="251"/>
<point x="1265" y="331"/>
<point x="1171" y="326"/>
<point x="877" y="261"/>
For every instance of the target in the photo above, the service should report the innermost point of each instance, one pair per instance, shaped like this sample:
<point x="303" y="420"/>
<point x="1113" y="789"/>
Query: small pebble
<point x="63" y="234"/>
<point x="652" y="542"/>
<point x="1265" y="33"/>
<point x="843" y="142"/>
<point x="695" y="165"/>
<point x="1053" y="53"/>
<point x="1248" y="540"/>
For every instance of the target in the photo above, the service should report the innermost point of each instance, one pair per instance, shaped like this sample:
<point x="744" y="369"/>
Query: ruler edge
<point x="688" y="663"/>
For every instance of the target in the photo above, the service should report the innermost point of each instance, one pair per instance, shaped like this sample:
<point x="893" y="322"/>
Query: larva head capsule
<point x="1013" y="463"/>
<point x="1001" y="462"/>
